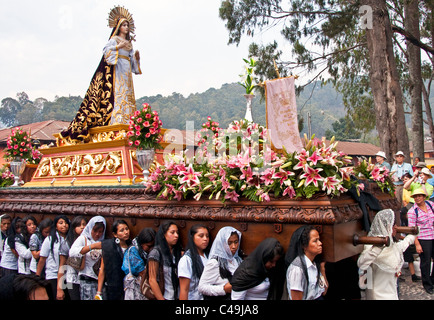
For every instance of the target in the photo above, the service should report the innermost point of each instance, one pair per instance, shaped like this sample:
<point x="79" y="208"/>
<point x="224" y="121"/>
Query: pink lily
<point x="330" y="183"/>
<point x="282" y="175"/>
<point x="232" y="195"/>
<point x="190" y="177"/>
<point x="267" y="176"/>
<point x="247" y="174"/>
<point x="290" y="192"/>
<point x="302" y="158"/>
<point x="312" y="176"/>
<point x="315" y="157"/>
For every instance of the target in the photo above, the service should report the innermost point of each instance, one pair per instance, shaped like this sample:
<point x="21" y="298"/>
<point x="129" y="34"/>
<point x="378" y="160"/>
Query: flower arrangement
<point x="248" y="76"/>
<point x="379" y="175"/>
<point x="6" y="177"/>
<point x="19" y="145"/>
<point x="145" y="129"/>
<point x="254" y="174"/>
<point x="210" y="130"/>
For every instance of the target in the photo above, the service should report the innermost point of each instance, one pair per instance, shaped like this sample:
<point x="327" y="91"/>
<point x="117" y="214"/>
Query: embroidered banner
<point x="281" y="111"/>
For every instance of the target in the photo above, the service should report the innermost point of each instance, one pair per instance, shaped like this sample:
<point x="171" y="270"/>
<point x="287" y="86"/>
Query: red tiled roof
<point x="357" y="148"/>
<point x="42" y="131"/>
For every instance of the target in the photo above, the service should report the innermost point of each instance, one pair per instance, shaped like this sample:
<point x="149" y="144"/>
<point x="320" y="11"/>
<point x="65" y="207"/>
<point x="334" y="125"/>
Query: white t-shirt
<point x="24" y="257"/>
<point x="52" y="262"/>
<point x="260" y="292"/>
<point x="295" y="280"/>
<point x="9" y="260"/>
<point x="90" y="258"/>
<point x="185" y="270"/>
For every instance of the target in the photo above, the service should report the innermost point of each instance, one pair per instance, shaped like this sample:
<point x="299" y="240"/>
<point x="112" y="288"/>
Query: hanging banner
<point x="281" y="110"/>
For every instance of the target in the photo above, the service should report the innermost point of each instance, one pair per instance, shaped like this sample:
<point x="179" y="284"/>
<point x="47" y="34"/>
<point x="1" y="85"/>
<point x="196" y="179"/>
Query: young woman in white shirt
<point x="49" y="254"/>
<point x="305" y="276"/>
<point x="35" y="243"/>
<point x="88" y="244"/>
<point x="223" y="260"/>
<point x="67" y="273"/>
<point x="165" y="255"/>
<point x="9" y="260"/>
<point x="191" y="265"/>
<point x="22" y="244"/>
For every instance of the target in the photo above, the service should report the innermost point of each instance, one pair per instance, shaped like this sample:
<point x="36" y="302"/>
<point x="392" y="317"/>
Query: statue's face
<point x="125" y="28"/>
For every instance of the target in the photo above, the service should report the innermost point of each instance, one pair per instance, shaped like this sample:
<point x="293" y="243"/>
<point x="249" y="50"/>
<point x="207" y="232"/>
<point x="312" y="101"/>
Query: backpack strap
<point x="416" y="211"/>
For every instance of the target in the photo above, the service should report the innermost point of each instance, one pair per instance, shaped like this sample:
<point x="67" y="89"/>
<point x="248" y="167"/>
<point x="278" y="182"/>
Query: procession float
<point x="119" y="162"/>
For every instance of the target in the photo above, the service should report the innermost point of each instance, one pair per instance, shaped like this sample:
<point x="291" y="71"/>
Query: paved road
<point x="410" y="290"/>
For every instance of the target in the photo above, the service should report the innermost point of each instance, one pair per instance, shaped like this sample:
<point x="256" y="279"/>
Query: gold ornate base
<point x="106" y="159"/>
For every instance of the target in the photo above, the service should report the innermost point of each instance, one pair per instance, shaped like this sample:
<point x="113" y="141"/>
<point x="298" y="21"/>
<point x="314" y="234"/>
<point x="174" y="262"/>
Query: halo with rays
<point x="120" y="12"/>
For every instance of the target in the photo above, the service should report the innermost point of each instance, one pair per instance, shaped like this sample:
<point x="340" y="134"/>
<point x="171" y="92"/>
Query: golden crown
<point x="118" y="13"/>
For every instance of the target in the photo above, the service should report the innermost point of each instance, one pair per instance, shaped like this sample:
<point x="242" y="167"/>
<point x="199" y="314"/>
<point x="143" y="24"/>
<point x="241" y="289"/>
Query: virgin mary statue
<point x="110" y="97"/>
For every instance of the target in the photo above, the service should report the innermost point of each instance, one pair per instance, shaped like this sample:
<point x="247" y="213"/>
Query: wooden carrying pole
<point x="376" y="241"/>
<point x="408" y="230"/>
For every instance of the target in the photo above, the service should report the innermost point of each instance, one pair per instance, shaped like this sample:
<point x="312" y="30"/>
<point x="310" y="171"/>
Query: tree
<point x="326" y="37"/>
<point x="343" y="130"/>
<point x="8" y="111"/>
<point x="384" y="82"/>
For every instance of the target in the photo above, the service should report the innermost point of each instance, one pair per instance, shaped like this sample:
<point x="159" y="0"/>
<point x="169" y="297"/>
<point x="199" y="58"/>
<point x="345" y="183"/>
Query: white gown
<point x="126" y="64"/>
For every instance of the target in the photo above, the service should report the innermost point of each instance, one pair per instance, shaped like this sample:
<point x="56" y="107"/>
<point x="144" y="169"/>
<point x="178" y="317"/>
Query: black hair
<point x="72" y="235"/>
<point x="161" y="242"/>
<point x="197" y="266"/>
<point x="147" y="235"/>
<point x="12" y="232"/>
<point x="25" y="235"/>
<point x="53" y="231"/>
<point x="166" y="256"/>
<point x="115" y="227"/>
<point x="297" y="249"/>
<point x="406" y="175"/>
<point x="6" y="217"/>
<point x="24" y="286"/>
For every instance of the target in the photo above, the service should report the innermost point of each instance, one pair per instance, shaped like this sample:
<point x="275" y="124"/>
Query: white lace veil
<point x="390" y="259"/>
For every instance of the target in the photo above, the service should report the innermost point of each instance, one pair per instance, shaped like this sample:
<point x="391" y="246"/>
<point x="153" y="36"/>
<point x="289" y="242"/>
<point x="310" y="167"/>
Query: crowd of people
<point x="414" y="185"/>
<point x="73" y="260"/>
<point x="63" y="259"/>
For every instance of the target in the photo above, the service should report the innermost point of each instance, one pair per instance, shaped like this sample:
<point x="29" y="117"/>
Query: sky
<point x="53" y="47"/>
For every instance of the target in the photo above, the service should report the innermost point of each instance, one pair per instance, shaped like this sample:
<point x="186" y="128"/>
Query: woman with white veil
<point x="223" y="261"/>
<point x="380" y="266"/>
<point x="88" y="247"/>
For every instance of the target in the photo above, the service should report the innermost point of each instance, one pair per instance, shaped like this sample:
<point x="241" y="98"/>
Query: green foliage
<point x="343" y="130"/>
<point x="249" y="82"/>
<point x="325" y="39"/>
<point x="223" y="105"/>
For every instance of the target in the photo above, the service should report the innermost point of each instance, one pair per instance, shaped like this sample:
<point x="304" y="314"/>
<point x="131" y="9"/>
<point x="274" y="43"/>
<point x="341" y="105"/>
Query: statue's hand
<point x="137" y="54"/>
<point x="122" y="44"/>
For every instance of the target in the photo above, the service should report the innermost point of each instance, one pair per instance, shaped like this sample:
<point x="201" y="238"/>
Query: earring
<point x="117" y="240"/>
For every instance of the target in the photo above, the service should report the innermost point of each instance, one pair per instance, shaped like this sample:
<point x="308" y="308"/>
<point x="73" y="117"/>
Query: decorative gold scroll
<point x="99" y="134"/>
<point x="80" y="164"/>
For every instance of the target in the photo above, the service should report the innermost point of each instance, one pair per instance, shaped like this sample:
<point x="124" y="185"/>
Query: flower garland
<point x="254" y="171"/>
